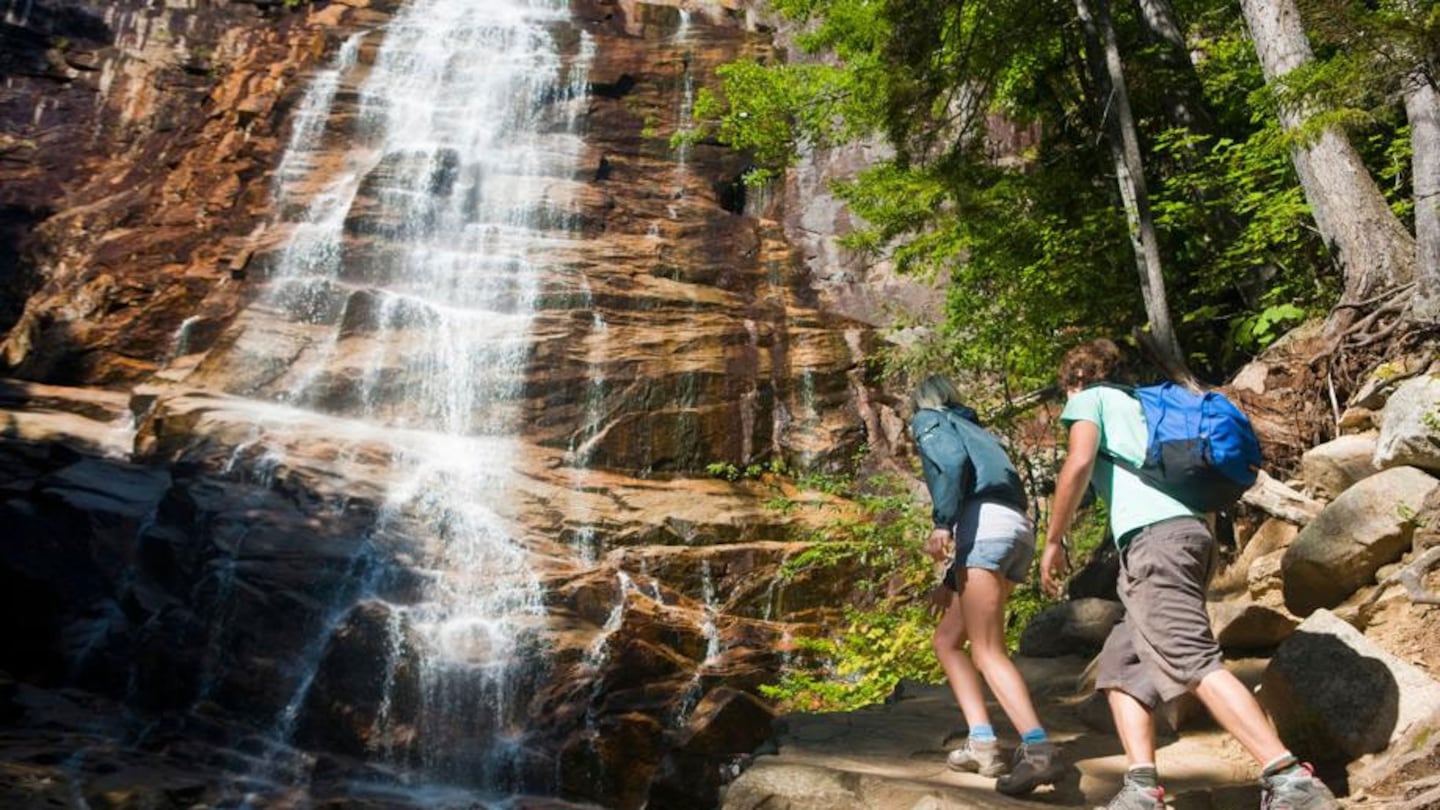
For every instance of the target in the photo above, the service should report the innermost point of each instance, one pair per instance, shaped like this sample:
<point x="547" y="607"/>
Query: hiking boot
<point x="1295" y="788"/>
<point x="1035" y="765"/>
<point x="977" y="757"/>
<point x="1135" y="797"/>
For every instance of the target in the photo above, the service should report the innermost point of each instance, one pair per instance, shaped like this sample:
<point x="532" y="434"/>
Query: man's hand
<point x="937" y="547"/>
<point x="1054" y="565"/>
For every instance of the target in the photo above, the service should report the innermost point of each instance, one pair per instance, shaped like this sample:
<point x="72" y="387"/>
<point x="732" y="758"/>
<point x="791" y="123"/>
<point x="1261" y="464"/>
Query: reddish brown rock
<point x="678" y="329"/>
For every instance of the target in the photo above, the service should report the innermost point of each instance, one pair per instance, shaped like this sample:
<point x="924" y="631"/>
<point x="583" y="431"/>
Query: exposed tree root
<point x="1412" y="577"/>
<point x="1388" y="312"/>
<point x="1428" y="798"/>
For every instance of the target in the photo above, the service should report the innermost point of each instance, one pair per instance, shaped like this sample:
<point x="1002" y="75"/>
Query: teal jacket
<point x="962" y="460"/>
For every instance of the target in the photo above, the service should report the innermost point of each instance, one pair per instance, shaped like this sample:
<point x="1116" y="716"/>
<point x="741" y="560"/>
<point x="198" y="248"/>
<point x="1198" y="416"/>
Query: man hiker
<point x="1164" y="646"/>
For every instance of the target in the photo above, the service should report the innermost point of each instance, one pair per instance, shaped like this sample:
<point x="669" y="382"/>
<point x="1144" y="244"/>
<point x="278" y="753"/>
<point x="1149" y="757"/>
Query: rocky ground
<point x="891" y="757"/>
<point x="1326" y="606"/>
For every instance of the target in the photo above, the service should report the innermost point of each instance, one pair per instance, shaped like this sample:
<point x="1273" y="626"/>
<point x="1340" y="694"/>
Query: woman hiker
<point x="979" y="508"/>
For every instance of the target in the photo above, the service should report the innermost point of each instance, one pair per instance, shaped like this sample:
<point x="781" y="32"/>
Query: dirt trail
<point x="892" y="757"/>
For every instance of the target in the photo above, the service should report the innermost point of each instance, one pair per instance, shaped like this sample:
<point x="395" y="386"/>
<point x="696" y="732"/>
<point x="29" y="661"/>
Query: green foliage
<point x="882" y="535"/>
<point x="1233" y="215"/>
<point x="750" y="472"/>
<point x="876" y="650"/>
<point x="1260" y="330"/>
<point x="887" y="632"/>
<point x="1090" y="530"/>
<point x="1024" y="261"/>
<point x="1034" y="243"/>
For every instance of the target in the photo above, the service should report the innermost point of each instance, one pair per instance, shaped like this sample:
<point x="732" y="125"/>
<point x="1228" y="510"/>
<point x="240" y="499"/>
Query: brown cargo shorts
<point x="1164" y="646"/>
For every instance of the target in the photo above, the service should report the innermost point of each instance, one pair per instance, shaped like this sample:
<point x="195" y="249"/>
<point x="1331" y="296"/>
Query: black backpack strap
<point x="1124" y="464"/>
<point x="1120" y="462"/>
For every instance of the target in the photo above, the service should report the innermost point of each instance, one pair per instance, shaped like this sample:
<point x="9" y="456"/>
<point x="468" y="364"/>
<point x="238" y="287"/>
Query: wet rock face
<point x="239" y="591"/>
<point x="239" y="609"/>
<point x="683" y="333"/>
<point x="138" y="142"/>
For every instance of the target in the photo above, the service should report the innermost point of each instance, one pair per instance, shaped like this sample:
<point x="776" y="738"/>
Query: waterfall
<point x="20" y="15"/>
<point x="400" y="309"/>
<point x="687" y="104"/>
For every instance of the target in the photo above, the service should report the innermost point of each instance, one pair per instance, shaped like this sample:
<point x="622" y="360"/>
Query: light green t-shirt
<point x="1133" y="503"/>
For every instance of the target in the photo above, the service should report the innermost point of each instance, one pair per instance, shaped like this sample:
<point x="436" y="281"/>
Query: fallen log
<point x="1278" y="500"/>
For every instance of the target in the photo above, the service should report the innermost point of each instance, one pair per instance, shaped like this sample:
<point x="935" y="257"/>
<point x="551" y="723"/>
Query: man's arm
<point x="1069" y="490"/>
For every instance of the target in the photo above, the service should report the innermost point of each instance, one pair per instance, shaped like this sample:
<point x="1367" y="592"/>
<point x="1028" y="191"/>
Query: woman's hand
<point x="939" y="599"/>
<point x="1054" y="565"/>
<point x="937" y="547"/>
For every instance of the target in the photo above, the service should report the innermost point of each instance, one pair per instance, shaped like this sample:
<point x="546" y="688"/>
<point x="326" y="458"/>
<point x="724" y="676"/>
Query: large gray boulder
<point x="1332" y="691"/>
<point x="1243" y="625"/>
<point x="1410" y="426"/>
<point x="1368" y="526"/>
<point x="1076" y="627"/>
<point x="1333" y="467"/>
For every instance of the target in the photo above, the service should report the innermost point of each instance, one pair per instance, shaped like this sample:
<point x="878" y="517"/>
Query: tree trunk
<point x="1185" y="104"/>
<point x="1104" y="57"/>
<point x="1372" y="248"/>
<point x="1422" y="108"/>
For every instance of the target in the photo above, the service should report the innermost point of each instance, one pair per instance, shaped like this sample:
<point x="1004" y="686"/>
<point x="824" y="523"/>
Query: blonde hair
<point x="934" y="392"/>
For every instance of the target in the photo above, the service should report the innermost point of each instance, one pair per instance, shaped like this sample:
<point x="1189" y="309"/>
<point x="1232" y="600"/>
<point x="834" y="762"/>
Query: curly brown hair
<point x="1091" y="362"/>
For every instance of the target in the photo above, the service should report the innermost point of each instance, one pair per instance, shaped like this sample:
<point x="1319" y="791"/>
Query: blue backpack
<point x="1200" y="450"/>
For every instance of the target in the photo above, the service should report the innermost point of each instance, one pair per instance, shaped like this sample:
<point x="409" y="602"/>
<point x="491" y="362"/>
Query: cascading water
<point x="687" y="105"/>
<point x="17" y="12"/>
<point x="404" y="297"/>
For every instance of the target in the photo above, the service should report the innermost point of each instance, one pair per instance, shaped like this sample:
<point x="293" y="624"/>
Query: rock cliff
<point x="271" y="547"/>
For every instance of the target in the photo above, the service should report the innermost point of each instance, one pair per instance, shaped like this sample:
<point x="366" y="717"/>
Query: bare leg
<point x="964" y="680"/>
<point x="983" y="602"/>
<point x="1237" y="711"/>
<point x="1134" y="725"/>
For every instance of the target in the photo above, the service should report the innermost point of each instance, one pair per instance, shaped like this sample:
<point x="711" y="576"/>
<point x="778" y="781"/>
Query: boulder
<point x="1256" y="619"/>
<point x="1333" y="467"/>
<point x="1335" y="694"/>
<point x="1369" y="525"/>
<point x="1236" y="577"/>
<point x="794" y="786"/>
<point x="1097" y="578"/>
<point x="725" y="728"/>
<point x="1077" y="627"/>
<point x="1410" y="426"/>
<point x="1385" y="379"/>
<point x="1243" y="625"/>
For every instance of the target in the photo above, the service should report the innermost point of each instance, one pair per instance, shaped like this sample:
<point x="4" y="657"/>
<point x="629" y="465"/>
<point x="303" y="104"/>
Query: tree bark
<point x="1422" y="108"/>
<point x="1104" y="57"/>
<point x="1161" y="28"/>
<point x="1371" y="246"/>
